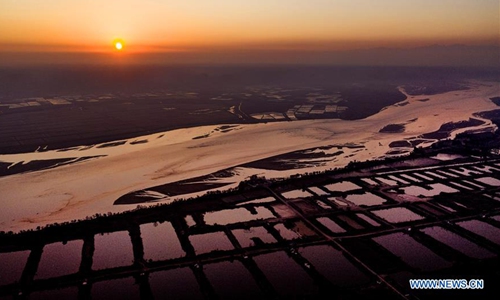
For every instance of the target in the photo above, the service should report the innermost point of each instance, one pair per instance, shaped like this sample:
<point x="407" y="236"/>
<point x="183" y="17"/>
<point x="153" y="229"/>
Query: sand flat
<point x="88" y="187"/>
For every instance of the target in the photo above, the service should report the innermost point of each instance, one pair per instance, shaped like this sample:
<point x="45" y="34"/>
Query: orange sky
<point x="190" y="25"/>
<point x="237" y="31"/>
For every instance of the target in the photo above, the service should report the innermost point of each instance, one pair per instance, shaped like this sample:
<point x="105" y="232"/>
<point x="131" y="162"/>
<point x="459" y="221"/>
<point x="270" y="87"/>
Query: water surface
<point x="112" y="250"/>
<point x="333" y="265"/>
<point x="342" y="186"/>
<point x="123" y="288"/>
<point x="160" y="241"/>
<point x="231" y="280"/>
<point x="208" y="242"/>
<point x="457" y="242"/>
<point x="435" y="189"/>
<point x="286" y="276"/>
<point x="174" y="284"/>
<point x="253" y="236"/>
<point x="483" y="229"/>
<point x="397" y="215"/>
<point x="412" y="252"/>
<point x="367" y="199"/>
<point x="59" y="259"/>
<point x="14" y="262"/>
<point x="331" y="225"/>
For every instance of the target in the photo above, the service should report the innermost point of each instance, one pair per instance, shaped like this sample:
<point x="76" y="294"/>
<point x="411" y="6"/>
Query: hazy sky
<point x="202" y="25"/>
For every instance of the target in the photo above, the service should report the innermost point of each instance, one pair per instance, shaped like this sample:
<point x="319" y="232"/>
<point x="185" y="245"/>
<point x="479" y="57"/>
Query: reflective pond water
<point x="174" y="284"/>
<point x="123" y="288"/>
<point x="342" y="186"/>
<point x="397" y="215"/>
<point x="295" y="284"/>
<point x="411" y="252"/>
<point x="333" y="265"/>
<point x="160" y="241"/>
<point x="14" y="262"/>
<point x="208" y="242"/>
<point x="435" y="189"/>
<point x="331" y="225"/>
<point x="112" y="250"/>
<point x="457" y="242"/>
<point x="231" y="280"/>
<point x="368" y="199"/>
<point x="296" y="194"/>
<point x="59" y="259"/>
<point x="483" y="229"/>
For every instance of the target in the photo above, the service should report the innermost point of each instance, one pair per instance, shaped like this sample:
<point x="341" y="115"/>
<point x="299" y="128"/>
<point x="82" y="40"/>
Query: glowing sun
<point x="118" y="46"/>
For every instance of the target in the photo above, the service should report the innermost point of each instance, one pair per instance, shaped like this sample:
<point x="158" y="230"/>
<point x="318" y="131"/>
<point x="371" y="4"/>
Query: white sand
<point x="85" y="188"/>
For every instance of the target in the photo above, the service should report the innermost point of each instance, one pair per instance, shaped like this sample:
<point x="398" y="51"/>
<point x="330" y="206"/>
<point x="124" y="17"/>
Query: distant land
<point x="52" y="107"/>
<point x="433" y="55"/>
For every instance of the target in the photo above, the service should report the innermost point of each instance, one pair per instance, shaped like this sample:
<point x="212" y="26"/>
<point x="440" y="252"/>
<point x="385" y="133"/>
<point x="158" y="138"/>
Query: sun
<point x="118" y="45"/>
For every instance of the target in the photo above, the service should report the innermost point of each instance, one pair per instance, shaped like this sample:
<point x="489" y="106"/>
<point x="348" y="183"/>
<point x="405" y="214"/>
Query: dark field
<point x="59" y="107"/>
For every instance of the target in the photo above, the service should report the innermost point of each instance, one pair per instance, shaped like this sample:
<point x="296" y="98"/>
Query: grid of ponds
<point x="327" y="235"/>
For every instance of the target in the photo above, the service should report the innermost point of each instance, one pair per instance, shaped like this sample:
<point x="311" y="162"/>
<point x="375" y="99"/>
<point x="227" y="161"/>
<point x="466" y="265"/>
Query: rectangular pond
<point x="112" y="250"/>
<point x="12" y="265"/>
<point x="411" y="252"/>
<point x="160" y="242"/>
<point x="342" y="186"/>
<point x="317" y="191"/>
<point x="286" y="276"/>
<point x="483" y="229"/>
<point x="208" y="242"/>
<point x="367" y="199"/>
<point x="296" y="194"/>
<point x="334" y="266"/>
<point x="457" y="242"/>
<point x="433" y="190"/>
<point x="330" y="225"/>
<point x="60" y="259"/>
<point x="397" y="215"/>
<point x="489" y="181"/>
<point x="174" y="284"/>
<point x="123" y="288"/>
<point x="231" y="280"/>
